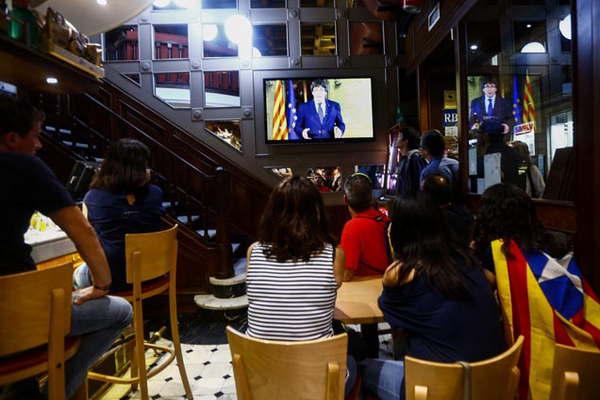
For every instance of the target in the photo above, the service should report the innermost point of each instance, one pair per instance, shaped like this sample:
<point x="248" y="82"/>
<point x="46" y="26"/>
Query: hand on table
<point x="80" y="296"/>
<point x="305" y="132"/>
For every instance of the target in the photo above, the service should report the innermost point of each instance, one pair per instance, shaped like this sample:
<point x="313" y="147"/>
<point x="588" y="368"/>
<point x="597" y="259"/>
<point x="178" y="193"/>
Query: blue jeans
<point x="98" y="322"/>
<point x="384" y="378"/>
<point x="82" y="277"/>
<point x="350" y="375"/>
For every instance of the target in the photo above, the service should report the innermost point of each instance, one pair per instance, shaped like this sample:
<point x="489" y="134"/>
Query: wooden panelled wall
<point x="581" y="217"/>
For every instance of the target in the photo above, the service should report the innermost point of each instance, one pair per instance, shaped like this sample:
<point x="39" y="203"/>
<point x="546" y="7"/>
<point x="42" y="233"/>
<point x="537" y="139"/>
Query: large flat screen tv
<point x="308" y="110"/>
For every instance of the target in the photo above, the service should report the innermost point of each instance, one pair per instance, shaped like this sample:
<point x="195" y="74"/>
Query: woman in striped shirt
<point x="291" y="283"/>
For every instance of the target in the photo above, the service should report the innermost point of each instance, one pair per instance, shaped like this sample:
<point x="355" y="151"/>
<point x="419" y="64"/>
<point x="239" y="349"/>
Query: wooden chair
<point x="267" y="369"/>
<point x="493" y="379"/>
<point x="35" y="315"/>
<point x="151" y="260"/>
<point x="575" y="374"/>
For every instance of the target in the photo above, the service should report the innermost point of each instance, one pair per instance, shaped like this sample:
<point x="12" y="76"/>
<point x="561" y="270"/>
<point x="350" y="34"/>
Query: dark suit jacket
<point x="502" y="110"/>
<point x="308" y="118"/>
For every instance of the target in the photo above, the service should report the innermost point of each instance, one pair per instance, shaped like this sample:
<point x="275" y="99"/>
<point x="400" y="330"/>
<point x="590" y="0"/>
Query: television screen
<point x="318" y="109"/>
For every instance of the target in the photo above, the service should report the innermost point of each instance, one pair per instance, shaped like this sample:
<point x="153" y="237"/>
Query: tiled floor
<point x="209" y="370"/>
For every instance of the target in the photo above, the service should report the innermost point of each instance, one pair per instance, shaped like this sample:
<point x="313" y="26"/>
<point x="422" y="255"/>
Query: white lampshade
<point x="238" y="28"/>
<point x="565" y="27"/>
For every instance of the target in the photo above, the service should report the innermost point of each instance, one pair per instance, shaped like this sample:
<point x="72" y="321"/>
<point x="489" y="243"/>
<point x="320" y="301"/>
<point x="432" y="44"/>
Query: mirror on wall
<point x="318" y="39"/>
<point x="269" y="40"/>
<point x="221" y="89"/>
<point x="226" y="130"/>
<point x="216" y="43"/>
<point x="121" y="44"/>
<point x="170" y="41"/>
<point x="173" y="88"/>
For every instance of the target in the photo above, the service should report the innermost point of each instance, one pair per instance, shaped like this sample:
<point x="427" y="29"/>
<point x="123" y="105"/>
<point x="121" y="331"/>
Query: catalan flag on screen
<point x="280" y="124"/>
<point x="547" y="301"/>
<point x="529" y="111"/>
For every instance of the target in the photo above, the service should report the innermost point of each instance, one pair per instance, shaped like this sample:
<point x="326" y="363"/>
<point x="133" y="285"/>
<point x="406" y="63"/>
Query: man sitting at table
<point x="29" y="185"/>
<point x="364" y="236"/>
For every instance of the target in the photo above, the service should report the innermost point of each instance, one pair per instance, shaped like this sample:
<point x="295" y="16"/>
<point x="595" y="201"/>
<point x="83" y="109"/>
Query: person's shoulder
<point x="334" y="103"/>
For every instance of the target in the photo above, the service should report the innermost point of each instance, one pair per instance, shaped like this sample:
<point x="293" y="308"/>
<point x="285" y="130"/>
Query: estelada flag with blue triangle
<point x="548" y="302"/>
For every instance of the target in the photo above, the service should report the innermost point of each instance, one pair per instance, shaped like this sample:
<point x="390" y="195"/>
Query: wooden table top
<point x="357" y="301"/>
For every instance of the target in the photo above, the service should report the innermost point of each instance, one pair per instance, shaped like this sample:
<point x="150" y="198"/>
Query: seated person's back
<point x="290" y="280"/>
<point x="121" y="201"/>
<point x="443" y="329"/>
<point x="364" y="236"/>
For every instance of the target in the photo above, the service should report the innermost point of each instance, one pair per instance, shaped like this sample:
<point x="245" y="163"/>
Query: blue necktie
<point x="489" y="108"/>
<point x="321" y="113"/>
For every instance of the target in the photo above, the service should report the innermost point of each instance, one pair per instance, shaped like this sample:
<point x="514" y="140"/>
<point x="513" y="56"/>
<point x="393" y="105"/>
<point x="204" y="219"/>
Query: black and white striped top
<point x="290" y="300"/>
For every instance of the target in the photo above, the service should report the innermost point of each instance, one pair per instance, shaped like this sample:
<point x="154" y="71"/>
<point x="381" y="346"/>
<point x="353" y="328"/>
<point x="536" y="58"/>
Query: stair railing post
<point x="222" y="199"/>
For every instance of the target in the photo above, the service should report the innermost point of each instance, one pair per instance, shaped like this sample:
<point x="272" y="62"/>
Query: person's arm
<point x="338" y="266"/>
<point x="350" y="244"/>
<point x="76" y="226"/>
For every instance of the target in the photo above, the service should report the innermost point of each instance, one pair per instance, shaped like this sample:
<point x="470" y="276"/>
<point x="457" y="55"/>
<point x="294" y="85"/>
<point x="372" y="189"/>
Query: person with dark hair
<point x="534" y="183"/>
<point x="436" y="293"/>
<point x="491" y="105"/>
<point x="410" y="164"/>
<point x="507" y="213"/>
<point x="29" y="186"/>
<point x="363" y="237"/>
<point x="121" y="201"/>
<point x="319" y="118"/>
<point x="291" y="280"/>
<point x="438" y="191"/>
<point x="513" y="166"/>
<point x="433" y="148"/>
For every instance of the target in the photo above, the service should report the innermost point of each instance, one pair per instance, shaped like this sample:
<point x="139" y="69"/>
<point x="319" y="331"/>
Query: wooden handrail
<point x="144" y="134"/>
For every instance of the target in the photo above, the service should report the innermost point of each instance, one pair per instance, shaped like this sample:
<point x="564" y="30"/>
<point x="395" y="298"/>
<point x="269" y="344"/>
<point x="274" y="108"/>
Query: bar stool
<point x="35" y="310"/>
<point x="151" y="260"/>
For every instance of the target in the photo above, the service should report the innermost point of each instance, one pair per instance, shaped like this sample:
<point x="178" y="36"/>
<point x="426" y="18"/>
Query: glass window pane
<point x="269" y="40"/>
<point x="216" y="43"/>
<point x="170" y="41"/>
<point x="121" y="44"/>
<point x="366" y="38"/>
<point x="173" y="88"/>
<point x="222" y="89"/>
<point x="520" y="115"/>
<point x="267" y="3"/>
<point x="318" y="39"/>
<point x="207" y="4"/>
<point x="228" y="131"/>
<point x="530" y="36"/>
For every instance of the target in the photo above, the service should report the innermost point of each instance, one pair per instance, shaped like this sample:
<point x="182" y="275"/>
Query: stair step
<point x="212" y="233"/>
<point x="210" y="302"/>
<point x="166" y="204"/>
<point x="239" y="266"/>
<point x="184" y="218"/>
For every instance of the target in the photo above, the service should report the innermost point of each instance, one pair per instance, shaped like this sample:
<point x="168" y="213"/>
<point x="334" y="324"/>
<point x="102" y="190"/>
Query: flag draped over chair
<point x="547" y="301"/>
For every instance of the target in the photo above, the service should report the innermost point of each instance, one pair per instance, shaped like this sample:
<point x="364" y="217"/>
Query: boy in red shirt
<point x="364" y="236"/>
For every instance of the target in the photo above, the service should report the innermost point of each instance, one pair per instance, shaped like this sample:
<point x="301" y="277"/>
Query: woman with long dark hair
<point x="121" y="200"/>
<point x="507" y="213"/>
<point x="436" y="293"/>
<point x="291" y="283"/>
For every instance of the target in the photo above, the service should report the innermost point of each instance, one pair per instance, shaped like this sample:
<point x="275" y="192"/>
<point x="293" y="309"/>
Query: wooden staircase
<point x="200" y="186"/>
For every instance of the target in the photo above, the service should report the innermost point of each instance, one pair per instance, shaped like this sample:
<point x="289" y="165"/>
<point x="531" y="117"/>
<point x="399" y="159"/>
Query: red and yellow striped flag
<point x="547" y="304"/>
<point x="280" y="126"/>
<point x="529" y="112"/>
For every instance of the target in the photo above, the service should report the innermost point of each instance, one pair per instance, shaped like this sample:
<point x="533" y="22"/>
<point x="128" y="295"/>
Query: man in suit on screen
<point x="490" y="105"/>
<point x="319" y="118"/>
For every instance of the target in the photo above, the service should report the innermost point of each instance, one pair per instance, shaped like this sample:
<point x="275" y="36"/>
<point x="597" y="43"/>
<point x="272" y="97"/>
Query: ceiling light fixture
<point x="474" y="47"/>
<point x="238" y="29"/>
<point x="51" y="80"/>
<point x="565" y="27"/>
<point x="533" y="47"/>
<point x="209" y="32"/>
<point x="101" y="2"/>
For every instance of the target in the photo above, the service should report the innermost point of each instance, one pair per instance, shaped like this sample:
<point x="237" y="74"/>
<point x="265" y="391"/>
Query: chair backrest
<point x="155" y="252"/>
<point x="493" y="379"/>
<point x="33" y="306"/>
<point x="311" y="370"/>
<point x="576" y="374"/>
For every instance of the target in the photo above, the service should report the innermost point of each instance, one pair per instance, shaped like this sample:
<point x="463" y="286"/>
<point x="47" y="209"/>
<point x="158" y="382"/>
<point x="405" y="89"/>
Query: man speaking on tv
<point x="319" y="118"/>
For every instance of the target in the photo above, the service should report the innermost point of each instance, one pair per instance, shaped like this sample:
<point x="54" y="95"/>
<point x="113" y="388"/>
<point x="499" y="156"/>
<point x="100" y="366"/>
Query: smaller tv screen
<point x="309" y="110"/>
